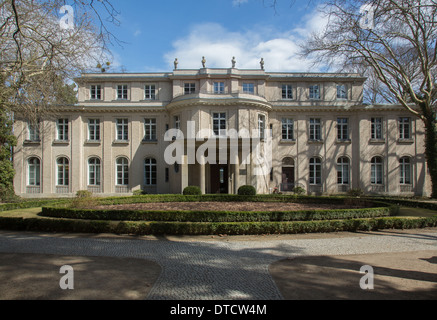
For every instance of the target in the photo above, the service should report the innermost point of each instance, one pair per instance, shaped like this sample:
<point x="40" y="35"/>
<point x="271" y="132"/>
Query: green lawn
<point x="416" y="212"/>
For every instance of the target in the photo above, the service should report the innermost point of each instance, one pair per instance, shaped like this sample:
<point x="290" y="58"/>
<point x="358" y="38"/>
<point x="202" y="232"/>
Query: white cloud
<point x="219" y="45"/>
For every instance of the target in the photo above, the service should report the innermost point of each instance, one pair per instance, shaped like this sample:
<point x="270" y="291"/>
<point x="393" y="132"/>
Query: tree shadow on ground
<point x="396" y="276"/>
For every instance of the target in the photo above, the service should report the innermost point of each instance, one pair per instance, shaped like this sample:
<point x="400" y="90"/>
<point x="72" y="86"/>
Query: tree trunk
<point x="431" y="149"/>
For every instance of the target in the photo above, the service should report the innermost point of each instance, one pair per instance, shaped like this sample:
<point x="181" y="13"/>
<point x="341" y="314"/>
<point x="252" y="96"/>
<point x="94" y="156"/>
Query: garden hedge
<point x="199" y="228"/>
<point x="218" y="216"/>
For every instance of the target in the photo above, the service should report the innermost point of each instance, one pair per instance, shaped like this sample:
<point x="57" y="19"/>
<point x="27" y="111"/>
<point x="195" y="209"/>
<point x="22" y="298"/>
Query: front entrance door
<point x="287" y="179"/>
<point x="219" y="178"/>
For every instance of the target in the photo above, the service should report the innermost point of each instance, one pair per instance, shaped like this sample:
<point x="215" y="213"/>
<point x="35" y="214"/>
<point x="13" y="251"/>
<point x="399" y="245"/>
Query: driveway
<point x="276" y="267"/>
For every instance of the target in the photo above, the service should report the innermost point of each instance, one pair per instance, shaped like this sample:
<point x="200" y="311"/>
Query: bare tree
<point x="395" y="41"/>
<point x="37" y="48"/>
<point x="44" y="44"/>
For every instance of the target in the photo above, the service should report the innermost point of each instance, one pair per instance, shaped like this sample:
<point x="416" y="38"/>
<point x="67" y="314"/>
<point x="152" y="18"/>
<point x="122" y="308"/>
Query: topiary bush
<point x="192" y="191"/>
<point x="246" y="191"/>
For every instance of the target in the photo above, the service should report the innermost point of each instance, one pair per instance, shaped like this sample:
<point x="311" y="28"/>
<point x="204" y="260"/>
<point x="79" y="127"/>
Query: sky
<point x="154" y="33"/>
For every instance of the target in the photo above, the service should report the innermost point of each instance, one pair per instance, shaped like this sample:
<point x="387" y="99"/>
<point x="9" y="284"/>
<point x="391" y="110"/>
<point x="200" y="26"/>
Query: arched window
<point x="150" y="172"/>
<point x="63" y="171"/>
<point x="405" y="170"/>
<point x="377" y="172"/>
<point x="34" y="172"/>
<point x="94" y="170"/>
<point x="315" y="171"/>
<point x="122" y="165"/>
<point x="343" y="170"/>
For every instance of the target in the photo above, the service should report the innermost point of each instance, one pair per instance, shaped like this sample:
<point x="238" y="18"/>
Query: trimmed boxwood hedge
<point x="200" y="228"/>
<point x="219" y="216"/>
<point x="208" y="223"/>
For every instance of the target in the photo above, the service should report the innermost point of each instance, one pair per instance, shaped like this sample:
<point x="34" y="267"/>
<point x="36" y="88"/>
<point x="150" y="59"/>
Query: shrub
<point x="192" y="191"/>
<point x="139" y="192"/>
<point x="83" y="199"/>
<point x="246" y="191"/>
<point x="84" y="194"/>
<point x="355" y="192"/>
<point x="299" y="191"/>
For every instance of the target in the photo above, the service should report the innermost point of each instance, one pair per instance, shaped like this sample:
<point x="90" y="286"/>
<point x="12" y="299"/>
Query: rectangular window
<point x="150" y="129"/>
<point x="96" y="92"/>
<point x="219" y="87"/>
<point x="150" y="92"/>
<point x="315" y="129"/>
<point x="315" y="92"/>
<point x="287" y="129"/>
<point x="315" y="171"/>
<point x="376" y="128"/>
<point x="167" y="174"/>
<point x="248" y="88"/>
<point x="343" y="129"/>
<point x="62" y="129"/>
<point x="287" y="91"/>
<point x="261" y="125"/>
<point x="94" y="129"/>
<point x="341" y="92"/>
<point x="122" y="92"/>
<point x="177" y="122"/>
<point x="33" y="132"/>
<point x="219" y="123"/>
<point x="189" y="88"/>
<point x="122" y="129"/>
<point x="404" y="128"/>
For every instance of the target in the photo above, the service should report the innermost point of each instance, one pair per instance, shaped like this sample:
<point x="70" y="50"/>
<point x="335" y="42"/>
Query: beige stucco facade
<point x="112" y="142"/>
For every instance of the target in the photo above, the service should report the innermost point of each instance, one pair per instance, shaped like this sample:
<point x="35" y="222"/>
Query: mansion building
<point x="323" y="138"/>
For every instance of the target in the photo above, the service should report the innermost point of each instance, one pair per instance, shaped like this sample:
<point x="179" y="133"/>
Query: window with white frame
<point x="177" y="122"/>
<point x="376" y="171"/>
<point x="150" y="92"/>
<point x="315" y="171"/>
<point x="33" y="131"/>
<point x="219" y="87"/>
<point x="404" y="128"/>
<point x="150" y="172"/>
<point x="315" y="129"/>
<point x="96" y="92"/>
<point x="62" y="129"/>
<point x="63" y="172"/>
<point x="343" y="170"/>
<point x="261" y="125"/>
<point x="122" y="171"/>
<point x="405" y="170"/>
<point x="287" y="91"/>
<point x="248" y="88"/>
<point x="122" y="92"/>
<point x="287" y="129"/>
<point x="315" y="92"/>
<point x="376" y="128"/>
<point x="122" y="126"/>
<point x="341" y="92"/>
<point x="94" y="170"/>
<point x="94" y="129"/>
<point x="34" y="172"/>
<point x="219" y="123"/>
<point x="342" y="129"/>
<point x="189" y="88"/>
<point x="149" y="129"/>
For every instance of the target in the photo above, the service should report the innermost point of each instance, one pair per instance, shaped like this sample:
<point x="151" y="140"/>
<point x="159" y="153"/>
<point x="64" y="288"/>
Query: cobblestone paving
<point x="206" y="270"/>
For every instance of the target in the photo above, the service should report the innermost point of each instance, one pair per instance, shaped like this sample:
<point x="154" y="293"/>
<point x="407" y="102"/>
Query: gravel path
<point x="202" y="269"/>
